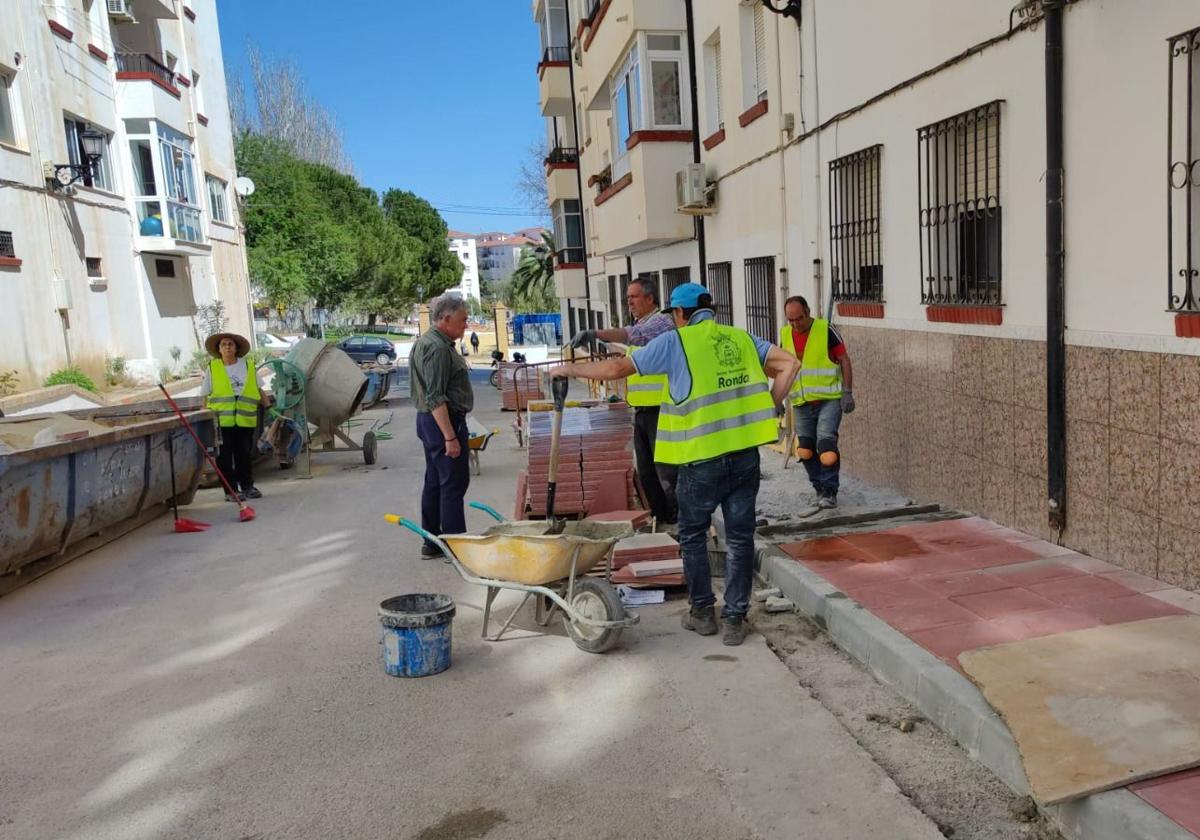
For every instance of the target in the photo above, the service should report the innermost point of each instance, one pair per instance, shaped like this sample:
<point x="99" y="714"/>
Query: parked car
<point x="368" y="348"/>
<point x="277" y="345"/>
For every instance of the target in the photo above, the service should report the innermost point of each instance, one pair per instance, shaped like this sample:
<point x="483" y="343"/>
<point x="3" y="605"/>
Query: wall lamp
<point x="66" y="174"/>
<point x="787" y="8"/>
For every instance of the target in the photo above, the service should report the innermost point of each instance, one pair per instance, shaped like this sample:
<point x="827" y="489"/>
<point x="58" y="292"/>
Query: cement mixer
<point x="318" y="385"/>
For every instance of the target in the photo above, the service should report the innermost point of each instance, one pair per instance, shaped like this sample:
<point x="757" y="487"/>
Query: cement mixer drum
<point x="335" y="385"/>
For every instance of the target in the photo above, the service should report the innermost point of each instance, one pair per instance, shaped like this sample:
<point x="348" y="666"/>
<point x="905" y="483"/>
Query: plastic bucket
<point x="416" y="634"/>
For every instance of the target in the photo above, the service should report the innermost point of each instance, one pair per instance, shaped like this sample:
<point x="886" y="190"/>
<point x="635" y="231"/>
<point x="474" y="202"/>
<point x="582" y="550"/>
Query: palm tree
<point x="534" y="275"/>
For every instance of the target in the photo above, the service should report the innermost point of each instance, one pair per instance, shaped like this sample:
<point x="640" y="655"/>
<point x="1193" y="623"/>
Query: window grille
<point x="856" y="253"/>
<point x="93" y="267"/>
<point x="7" y="249"/>
<point x="1183" y="138"/>
<point x="720" y="286"/>
<point x="760" y="297"/>
<point x="958" y="174"/>
<point x="673" y="278"/>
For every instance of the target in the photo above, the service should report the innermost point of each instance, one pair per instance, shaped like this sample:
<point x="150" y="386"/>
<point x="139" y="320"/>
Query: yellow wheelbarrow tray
<point x="525" y="556"/>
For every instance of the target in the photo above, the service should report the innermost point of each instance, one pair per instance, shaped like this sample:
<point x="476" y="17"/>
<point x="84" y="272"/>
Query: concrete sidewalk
<point x="905" y="597"/>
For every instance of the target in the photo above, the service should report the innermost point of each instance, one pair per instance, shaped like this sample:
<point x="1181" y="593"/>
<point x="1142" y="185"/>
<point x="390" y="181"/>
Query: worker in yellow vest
<point x="644" y="393"/>
<point x="234" y="393"/>
<point x="820" y="395"/>
<point x="724" y="387"/>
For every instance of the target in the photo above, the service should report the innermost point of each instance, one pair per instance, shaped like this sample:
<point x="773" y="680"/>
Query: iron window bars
<point x="673" y="278"/>
<point x="7" y="249"/>
<point x="958" y="174"/>
<point x="720" y="286"/>
<point x="760" y="297"/>
<point x="855" y="248"/>
<point x="1183" y="161"/>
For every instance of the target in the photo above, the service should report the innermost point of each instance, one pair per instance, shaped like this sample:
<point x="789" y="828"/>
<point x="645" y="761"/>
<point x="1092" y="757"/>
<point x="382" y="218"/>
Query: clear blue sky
<point x="440" y="98"/>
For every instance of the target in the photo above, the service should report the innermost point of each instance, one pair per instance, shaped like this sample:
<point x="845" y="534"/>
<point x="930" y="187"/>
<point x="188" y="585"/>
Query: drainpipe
<point x="1056" y="348"/>
<point x="587" y="275"/>
<point x="698" y="220"/>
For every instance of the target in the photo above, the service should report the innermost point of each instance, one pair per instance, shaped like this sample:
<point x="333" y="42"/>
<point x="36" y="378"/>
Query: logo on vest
<point x="728" y="354"/>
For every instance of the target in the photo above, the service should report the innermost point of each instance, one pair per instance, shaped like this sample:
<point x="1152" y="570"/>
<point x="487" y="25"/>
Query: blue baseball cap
<point x="687" y="296"/>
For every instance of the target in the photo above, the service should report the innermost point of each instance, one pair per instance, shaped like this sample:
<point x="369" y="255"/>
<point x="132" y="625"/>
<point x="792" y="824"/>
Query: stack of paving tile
<point x="518" y="385"/>
<point x="647" y="560"/>
<point x="595" y="463"/>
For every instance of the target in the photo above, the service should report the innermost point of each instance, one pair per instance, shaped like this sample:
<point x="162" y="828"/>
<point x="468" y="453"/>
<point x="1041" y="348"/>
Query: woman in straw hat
<point x="234" y="392"/>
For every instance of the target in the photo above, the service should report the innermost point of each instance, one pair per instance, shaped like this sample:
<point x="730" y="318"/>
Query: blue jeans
<point x="730" y="482"/>
<point x="817" y="425"/>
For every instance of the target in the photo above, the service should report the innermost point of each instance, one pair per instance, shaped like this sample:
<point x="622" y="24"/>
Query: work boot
<point x="826" y="502"/>
<point x="702" y="621"/>
<point x="735" y="631"/>
<point x="429" y="551"/>
<point x="253" y="493"/>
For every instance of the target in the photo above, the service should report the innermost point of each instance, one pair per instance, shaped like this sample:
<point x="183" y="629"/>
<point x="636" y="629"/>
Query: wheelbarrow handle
<point x="418" y="530"/>
<point x="488" y="509"/>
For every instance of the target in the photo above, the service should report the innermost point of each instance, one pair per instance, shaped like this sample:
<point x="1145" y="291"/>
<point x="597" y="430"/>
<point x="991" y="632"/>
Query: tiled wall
<point x="961" y="420"/>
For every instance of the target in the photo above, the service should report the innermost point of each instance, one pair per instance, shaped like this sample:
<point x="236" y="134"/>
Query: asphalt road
<point x="229" y="685"/>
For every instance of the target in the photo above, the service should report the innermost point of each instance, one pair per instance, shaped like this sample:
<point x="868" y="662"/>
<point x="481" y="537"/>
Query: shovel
<point x="183" y="525"/>
<point x="558" y="387"/>
<point x="245" y="512"/>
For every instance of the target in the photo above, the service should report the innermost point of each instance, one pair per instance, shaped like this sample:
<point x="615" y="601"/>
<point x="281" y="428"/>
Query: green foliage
<point x="10" y="380"/>
<point x="198" y="362"/>
<point x="212" y="317"/>
<point x="71" y="376"/>
<point x="533" y="280"/>
<point x="114" y="370"/>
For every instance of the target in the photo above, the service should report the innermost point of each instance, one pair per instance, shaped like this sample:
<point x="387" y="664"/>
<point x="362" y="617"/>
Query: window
<point x="7" y="249"/>
<point x="199" y="97"/>
<point x="178" y="168"/>
<point x="673" y="278"/>
<point x="100" y="176"/>
<point x="958" y="178"/>
<point x="1183" y="194"/>
<point x="659" y="101"/>
<point x="760" y="297"/>
<point x="8" y="126"/>
<point x="856" y="254"/>
<point x="568" y="230"/>
<point x="216" y="198"/>
<point x="714" y="115"/>
<point x="94" y="270"/>
<point x="754" y="55"/>
<point x="553" y="29"/>
<point x="614" y="300"/>
<point x="627" y="105"/>
<point x="720" y="286"/>
<point x="164" y="268"/>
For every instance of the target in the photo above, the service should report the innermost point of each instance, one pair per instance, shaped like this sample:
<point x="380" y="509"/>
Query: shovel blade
<point x="190" y="526"/>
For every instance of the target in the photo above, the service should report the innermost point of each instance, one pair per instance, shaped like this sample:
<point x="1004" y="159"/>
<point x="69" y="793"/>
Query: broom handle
<point x="200" y="443"/>
<point x="171" y="461"/>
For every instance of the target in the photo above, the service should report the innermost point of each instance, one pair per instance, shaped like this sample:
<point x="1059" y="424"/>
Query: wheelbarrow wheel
<point x="598" y="600"/>
<point x="370" y="448"/>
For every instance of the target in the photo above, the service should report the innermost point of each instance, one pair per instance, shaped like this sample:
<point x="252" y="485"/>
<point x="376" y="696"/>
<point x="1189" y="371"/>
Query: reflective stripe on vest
<point x="231" y="409"/>
<point x="730" y="406"/>
<point x="645" y="391"/>
<point x="816" y="381"/>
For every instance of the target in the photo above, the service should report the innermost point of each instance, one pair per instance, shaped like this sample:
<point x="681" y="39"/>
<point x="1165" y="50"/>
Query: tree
<point x="534" y="275"/>
<point x="438" y="269"/>
<point x="531" y="180"/>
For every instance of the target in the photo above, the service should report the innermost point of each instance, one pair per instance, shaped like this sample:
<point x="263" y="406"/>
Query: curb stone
<point x="953" y="703"/>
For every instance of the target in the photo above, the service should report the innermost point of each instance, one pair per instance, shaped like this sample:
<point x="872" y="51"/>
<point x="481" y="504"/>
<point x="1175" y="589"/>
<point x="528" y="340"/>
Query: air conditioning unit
<point x="692" y="191"/>
<point x="121" y="10"/>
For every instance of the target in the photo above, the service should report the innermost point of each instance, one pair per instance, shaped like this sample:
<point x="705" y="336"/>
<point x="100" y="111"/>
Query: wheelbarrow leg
<point x="544" y="610"/>
<point x="492" y="591"/>
<point x="504" y="627"/>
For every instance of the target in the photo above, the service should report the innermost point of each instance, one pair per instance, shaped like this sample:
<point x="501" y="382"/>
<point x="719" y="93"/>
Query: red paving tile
<point x="1036" y="571"/>
<point x="848" y="574"/>
<point x="1048" y="549"/>
<point x="890" y="594"/>
<point x="1031" y="625"/>
<point x="828" y="548"/>
<point x="887" y="545"/>
<point x="1074" y="591"/>
<point x="1170" y="777"/>
<point x="1130" y="608"/>
<point x="993" y="554"/>
<point x="908" y="618"/>
<point x="961" y="583"/>
<point x="1177" y="796"/>
<point x="933" y="563"/>
<point x="948" y="641"/>
<point x="1088" y="564"/>
<point x="1136" y="582"/>
<point x="1002" y="602"/>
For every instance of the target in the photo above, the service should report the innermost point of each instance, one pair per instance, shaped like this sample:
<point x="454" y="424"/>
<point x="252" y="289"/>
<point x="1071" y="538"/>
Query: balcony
<point x="562" y="156"/>
<point x="607" y="40"/>
<point x="146" y="90"/>
<point x="554" y="82"/>
<point x="183" y="231"/>
<point x="156" y="9"/>
<point x="562" y="167"/>
<point x="635" y="201"/>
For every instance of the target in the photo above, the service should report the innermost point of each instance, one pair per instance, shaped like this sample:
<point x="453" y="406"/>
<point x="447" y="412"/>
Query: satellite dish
<point x="243" y="186"/>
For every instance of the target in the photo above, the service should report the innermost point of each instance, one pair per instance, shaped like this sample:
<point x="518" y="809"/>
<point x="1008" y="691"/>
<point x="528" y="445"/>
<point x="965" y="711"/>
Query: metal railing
<point x="856" y="249"/>
<point x="556" y="54"/>
<point x="563" y="154"/>
<point x="593" y="7"/>
<point x="761" y="319"/>
<point x="1183" y="224"/>
<point x="131" y="62"/>
<point x="6" y="244"/>
<point x="568" y="256"/>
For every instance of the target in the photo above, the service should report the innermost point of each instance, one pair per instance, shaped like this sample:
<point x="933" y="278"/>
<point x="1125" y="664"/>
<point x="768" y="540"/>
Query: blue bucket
<point x="416" y="634"/>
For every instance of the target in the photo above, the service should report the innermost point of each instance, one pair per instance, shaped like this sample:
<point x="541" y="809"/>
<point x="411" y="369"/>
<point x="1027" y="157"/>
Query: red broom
<point x="183" y="525"/>
<point x="245" y="512"/>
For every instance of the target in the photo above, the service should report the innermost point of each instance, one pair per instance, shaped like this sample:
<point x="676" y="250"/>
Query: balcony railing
<point x="130" y="62"/>
<point x="568" y="256"/>
<point x="556" y="54"/>
<point x="593" y="7"/>
<point x="562" y="154"/>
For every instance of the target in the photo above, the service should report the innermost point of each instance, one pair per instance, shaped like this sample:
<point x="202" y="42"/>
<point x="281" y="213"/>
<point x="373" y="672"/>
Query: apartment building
<point x="499" y="253"/>
<point x="113" y="259"/>
<point x="889" y="162"/>
<point x="463" y="246"/>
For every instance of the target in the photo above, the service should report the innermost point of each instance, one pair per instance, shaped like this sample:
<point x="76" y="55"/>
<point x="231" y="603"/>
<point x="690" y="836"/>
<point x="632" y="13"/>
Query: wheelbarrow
<point x="523" y="556"/>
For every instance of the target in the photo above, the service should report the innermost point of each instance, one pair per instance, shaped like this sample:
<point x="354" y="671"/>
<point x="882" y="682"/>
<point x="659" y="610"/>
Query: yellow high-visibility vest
<point x="645" y="391"/>
<point x="230" y="408"/>
<point x="730" y="406"/>
<point x="820" y="378"/>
